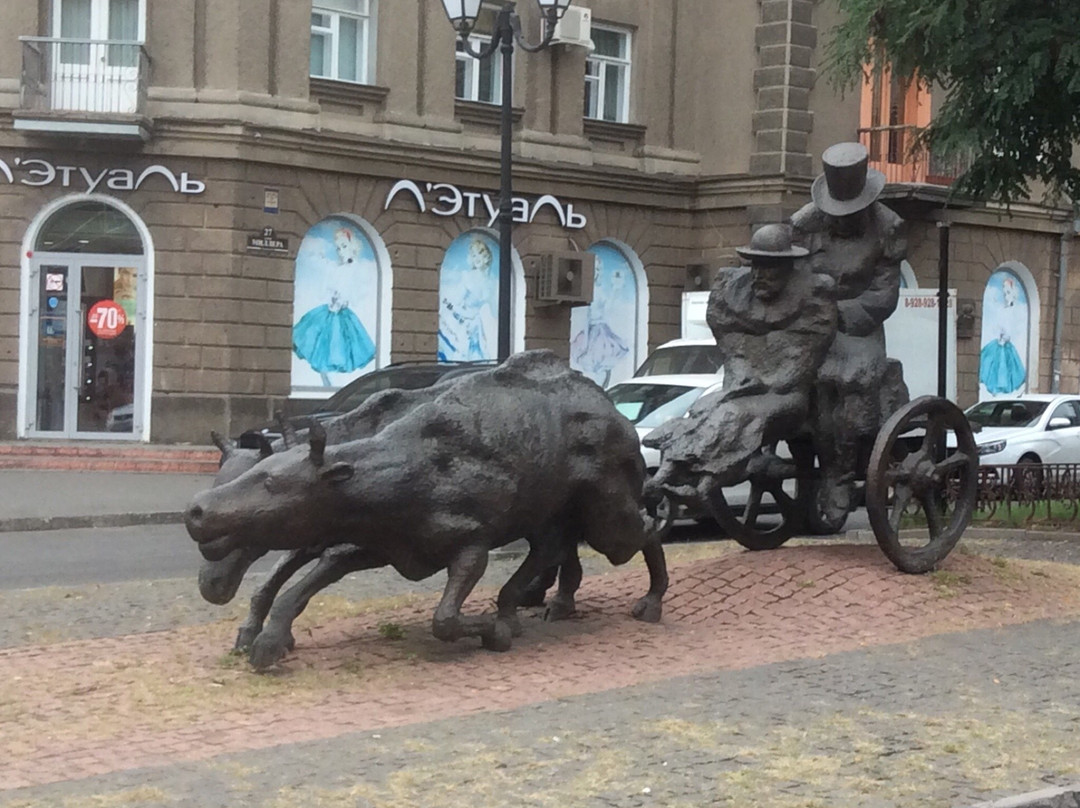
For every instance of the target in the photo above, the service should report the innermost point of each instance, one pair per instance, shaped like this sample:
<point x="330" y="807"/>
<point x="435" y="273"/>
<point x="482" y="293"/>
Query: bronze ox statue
<point x="434" y="479"/>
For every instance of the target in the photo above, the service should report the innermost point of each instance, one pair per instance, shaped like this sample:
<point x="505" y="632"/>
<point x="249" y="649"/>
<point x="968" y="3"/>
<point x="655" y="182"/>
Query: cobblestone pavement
<point x="813" y="675"/>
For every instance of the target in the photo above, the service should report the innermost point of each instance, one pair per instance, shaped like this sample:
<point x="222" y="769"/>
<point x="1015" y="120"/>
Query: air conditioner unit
<point x="575" y="28"/>
<point x="567" y="278"/>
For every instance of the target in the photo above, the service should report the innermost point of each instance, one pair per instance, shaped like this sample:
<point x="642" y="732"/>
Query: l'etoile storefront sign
<point x="443" y="199"/>
<point x="38" y="173"/>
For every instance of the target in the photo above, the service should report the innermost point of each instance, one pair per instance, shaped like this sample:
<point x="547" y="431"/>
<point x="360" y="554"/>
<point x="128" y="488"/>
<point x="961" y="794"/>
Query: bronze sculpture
<point x="773" y="322"/>
<point x="816" y="377"/>
<point x="859" y="243"/>
<point x="529" y="449"/>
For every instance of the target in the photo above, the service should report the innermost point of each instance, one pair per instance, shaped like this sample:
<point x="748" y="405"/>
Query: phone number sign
<point x="107" y="319"/>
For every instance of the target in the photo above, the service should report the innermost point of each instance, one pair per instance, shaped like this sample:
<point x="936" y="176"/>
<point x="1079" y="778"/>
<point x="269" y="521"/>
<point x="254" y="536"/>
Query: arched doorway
<point x="86" y="350"/>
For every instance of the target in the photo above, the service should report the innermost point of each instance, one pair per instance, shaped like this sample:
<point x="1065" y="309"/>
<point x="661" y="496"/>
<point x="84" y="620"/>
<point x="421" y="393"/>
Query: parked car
<point x="1030" y="428"/>
<point x="652" y="401"/>
<point x="682" y="356"/>
<point x="400" y="375"/>
<point x="120" y="419"/>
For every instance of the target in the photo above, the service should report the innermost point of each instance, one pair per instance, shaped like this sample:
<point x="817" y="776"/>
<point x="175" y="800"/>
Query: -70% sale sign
<point x="107" y="319"/>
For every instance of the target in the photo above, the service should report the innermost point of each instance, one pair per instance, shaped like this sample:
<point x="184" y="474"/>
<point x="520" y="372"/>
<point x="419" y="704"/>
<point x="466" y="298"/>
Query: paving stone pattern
<point x="774" y="679"/>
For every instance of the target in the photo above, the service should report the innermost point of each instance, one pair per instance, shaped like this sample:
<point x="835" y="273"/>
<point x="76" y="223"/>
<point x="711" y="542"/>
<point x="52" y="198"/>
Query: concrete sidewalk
<point x="33" y="499"/>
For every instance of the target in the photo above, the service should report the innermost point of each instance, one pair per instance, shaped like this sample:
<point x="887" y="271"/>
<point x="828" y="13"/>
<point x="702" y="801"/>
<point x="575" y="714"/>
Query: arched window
<point x="89" y="226"/>
<point x="339" y="316"/>
<point x="907" y="276"/>
<point x="469" y="300"/>
<point x="1005" y="357"/>
<point x="608" y="338"/>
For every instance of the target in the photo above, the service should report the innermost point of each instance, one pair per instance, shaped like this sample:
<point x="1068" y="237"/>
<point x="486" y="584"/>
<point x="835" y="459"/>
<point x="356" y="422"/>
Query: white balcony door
<point x="90" y="75"/>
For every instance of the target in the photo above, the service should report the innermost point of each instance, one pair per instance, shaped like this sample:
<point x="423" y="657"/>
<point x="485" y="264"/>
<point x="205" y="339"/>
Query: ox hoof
<point x="647" y="610"/>
<point x="267" y="649"/>
<point x="245" y="637"/>
<point x="513" y="621"/>
<point x="499" y="638"/>
<point x="559" y="608"/>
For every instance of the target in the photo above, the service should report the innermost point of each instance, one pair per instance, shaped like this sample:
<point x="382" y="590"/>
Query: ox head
<point x="219" y="580"/>
<point x="287" y="500"/>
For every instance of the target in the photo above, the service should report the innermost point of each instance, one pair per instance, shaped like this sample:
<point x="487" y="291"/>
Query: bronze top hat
<point x="772" y="241"/>
<point x="848" y="185"/>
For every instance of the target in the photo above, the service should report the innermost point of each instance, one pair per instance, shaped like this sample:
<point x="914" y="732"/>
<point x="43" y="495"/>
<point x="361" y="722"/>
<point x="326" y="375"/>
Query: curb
<point x="984" y="533"/>
<point x="32" y="523"/>
<point x="1067" y="797"/>
<point x="141" y="458"/>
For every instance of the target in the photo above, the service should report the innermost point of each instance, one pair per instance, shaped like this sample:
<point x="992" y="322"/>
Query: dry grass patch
<point x="140" y="796"/>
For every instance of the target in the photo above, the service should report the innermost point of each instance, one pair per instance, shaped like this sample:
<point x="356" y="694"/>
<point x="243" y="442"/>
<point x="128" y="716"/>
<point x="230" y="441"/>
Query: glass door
<point x="84" y="369"/>
<point x="91" y="72"/>
<point x="51" y="327"/>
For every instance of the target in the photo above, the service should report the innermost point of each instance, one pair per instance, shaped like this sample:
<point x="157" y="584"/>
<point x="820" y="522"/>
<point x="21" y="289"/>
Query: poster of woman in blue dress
<point x="604" y="333"/>
<point x="1004" y="337"/>
<point x="335" y="293"/>
<point x="469" y="299"/>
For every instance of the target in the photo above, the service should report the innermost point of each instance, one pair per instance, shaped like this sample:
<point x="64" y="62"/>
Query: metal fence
<point x="80" y="75"/>
<point x="893" y="152"/>
<point x="1029" y="493"/>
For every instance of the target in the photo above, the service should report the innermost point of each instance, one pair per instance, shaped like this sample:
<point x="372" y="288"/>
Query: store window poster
<point x="469" y="299"/>
<point x="335" y="306"/>
<point x="1005" y="326"/>
<point x="603" y="334"/>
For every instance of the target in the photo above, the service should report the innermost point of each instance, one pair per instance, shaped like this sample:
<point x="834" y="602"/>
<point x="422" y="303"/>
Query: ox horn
<point x="317" y="439"/>
<point x="288" y="434"/>
<point x="226" y="446"/>
<point x="265" y="449"/>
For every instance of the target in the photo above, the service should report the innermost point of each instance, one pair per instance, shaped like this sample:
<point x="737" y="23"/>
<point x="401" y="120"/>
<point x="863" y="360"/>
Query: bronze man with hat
<point x="773" y="322"/>
<point x="858" y="243"/>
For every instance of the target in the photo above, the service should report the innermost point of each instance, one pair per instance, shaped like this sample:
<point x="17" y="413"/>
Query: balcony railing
<point x="103" y="78"/>
<point x="893" y="154"/>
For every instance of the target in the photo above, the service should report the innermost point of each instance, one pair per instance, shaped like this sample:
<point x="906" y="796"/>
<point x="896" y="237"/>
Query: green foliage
<point x="1011" y="74"/>
<point x="391" y="631"/>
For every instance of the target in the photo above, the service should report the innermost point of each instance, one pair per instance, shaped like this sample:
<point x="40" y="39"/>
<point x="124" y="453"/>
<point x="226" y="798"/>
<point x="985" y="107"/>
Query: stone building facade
<point x="182" y="183"/>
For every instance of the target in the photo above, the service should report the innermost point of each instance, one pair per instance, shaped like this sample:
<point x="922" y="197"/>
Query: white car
<point x="652" y="401"/>
<point x="683" y="357"/>
<point x="1027" y="429"/>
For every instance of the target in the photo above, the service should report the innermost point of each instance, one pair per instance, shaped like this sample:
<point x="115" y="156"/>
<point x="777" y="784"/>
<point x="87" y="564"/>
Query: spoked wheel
<point x="770" y="515"/>
<point x="918" y="505"/>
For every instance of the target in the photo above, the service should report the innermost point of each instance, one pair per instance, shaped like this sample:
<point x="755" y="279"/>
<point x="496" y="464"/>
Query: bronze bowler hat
<point x="772" y="241"/>
<point x="848" y="185"/>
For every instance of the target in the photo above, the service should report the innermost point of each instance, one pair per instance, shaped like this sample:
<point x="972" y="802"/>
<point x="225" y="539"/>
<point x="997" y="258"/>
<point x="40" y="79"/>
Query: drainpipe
<point x="1059" y="306"/>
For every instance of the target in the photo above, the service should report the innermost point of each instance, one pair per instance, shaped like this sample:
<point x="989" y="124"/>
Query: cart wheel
<point x="769" y="517"/>
<point x="904" y="476"/>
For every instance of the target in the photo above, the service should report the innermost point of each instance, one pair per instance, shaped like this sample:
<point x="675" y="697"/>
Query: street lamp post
<point x="507" y="34"/>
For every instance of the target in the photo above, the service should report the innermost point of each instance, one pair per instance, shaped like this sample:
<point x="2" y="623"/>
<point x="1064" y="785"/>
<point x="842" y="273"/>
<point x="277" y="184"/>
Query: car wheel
<point x="1028" y="478"/>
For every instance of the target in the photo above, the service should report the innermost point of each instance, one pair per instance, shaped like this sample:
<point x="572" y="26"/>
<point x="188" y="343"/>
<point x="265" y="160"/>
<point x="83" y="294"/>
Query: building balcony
<point x="893" y="154"/>
<point x="94" y="88"/>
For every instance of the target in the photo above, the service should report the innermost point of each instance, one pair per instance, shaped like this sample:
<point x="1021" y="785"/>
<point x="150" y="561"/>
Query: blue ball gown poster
<point x="1005" y="325"/>
<point x="335" y="307"/>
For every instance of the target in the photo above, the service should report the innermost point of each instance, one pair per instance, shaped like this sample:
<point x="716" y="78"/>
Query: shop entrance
<point x="87" y="290"/>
